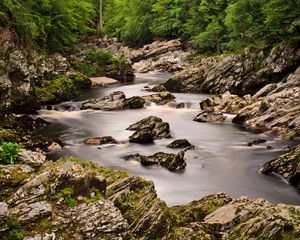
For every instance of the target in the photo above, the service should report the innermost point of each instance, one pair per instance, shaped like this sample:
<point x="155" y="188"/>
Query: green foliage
<point x="52" y="23"/>
<point x="101" y="63"/>
<point x="215" y="26"/>
<point x="9" y="152"/>
<point x="16" y="234"/>
<point x="67" y="195"/>
<point x="98" y="196"/>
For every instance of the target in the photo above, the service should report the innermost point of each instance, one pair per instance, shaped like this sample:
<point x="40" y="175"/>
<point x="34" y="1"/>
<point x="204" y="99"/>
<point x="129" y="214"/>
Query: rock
<point x="286" y="165"/>
<point x="180" y="143"/>
<point x="100" y="140"/>
<point x="149" y="129"/>
<point x="208" y="116"/>
<point x="173" y="162"/>
<point x="278" y="111"/>
<point x="33" y="159"/>
<point x="256" y="142"/>
<point x="3" y="216"/>
<point x="245" y="218"/>
<point x="237" y="74"/>
<point x="158" y="88"/>
<point x="134" y="103"/>
<point x="226" y="103"/>
<point x="12" y="177"/>
<point x="144" y="135"/>
<point x="103" y="81"/>
<point x="184" y="105"/>
<point x="115" y="101"/>
<point x="161" y="98"/>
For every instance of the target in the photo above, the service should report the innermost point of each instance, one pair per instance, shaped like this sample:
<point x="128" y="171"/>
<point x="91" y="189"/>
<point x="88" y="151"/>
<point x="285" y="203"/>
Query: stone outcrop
<point x="115" y="101"/>
<point x="240" y="75"/>
<point x="73" y="198"/>
<point x="171" y="161"/>
<point x="20" y="70"/>
<point x="149" y="129"/>
<point x="286" y="165"/>
<point x="164" y="56"/>
<point x="276" y="107"/>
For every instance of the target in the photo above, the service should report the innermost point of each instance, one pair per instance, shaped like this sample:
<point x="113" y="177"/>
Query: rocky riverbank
<point x="73" y="198"/>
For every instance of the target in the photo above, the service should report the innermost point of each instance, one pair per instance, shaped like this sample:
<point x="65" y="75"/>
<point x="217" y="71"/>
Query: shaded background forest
<point x="211" y="26"/>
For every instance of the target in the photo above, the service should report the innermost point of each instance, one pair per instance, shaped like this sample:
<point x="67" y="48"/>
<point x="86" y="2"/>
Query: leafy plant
<point x="10" y="152"/>
<point x="67" y="195"/>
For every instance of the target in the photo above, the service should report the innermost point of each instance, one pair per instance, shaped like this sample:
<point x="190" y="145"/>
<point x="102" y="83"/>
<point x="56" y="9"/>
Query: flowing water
<point x="221" y="160"/>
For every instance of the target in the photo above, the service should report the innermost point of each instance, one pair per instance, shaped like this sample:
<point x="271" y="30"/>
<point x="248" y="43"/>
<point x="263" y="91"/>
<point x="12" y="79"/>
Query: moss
<point x="290" y="235"/>
<point x="61" y="88"/>
<point x="110" y="174"/>
<point x="7" y="135"/>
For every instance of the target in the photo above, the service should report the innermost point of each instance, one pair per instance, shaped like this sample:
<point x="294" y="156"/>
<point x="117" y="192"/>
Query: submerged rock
<point x="149" y="129"/>
<point x="171" y="161"/>
<point x="256" y="142"/>
<point x="100" y="140"/>
<point x="209" y="116"/>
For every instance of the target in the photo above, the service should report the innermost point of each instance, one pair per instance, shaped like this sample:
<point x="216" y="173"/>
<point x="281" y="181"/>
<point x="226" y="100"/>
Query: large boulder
<point x="114" y="101"/>
<point x="149" y="129"/>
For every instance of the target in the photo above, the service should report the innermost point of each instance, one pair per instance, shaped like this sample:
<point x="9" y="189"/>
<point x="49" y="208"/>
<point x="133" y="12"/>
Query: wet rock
<point x="161" y="98"/>
<point x="33" y="159"/>
<point x="184" y="105"/>
<point x="149" y="129"/>
<point x="173" y="162"/>
<point x="115" y="101"/>
<point x="144" y="135"/>
<point x="286" y="165"/>
<point x="180" y="143"/>
<point x="256" y="142"/>
<point x="158" y="88"/>
<point x="100" y="140"/>
<point x="208" y="116"/>
<point x="134" y="103"/>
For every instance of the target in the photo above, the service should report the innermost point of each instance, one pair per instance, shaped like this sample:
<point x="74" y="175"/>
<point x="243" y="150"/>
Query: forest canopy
<point x="212" y="26"/>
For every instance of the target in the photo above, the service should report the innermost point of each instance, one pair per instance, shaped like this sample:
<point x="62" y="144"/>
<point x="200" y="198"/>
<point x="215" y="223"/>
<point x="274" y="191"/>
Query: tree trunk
<point x="100" y="23"/>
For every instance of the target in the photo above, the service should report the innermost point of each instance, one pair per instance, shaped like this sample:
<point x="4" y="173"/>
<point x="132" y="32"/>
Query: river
<point x="221" y="160"/>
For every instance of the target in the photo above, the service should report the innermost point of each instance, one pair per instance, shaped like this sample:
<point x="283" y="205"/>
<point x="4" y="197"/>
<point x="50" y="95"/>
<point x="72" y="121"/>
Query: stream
<point x="221" y="160"/>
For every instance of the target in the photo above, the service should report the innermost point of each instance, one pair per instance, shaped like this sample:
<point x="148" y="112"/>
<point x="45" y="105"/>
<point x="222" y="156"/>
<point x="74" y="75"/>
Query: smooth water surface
<point x="221" y="161"/>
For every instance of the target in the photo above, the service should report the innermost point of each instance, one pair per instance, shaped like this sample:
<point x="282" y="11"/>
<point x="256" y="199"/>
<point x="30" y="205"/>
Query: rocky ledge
<point x="239" y="74"/>
<point x="164" y="56"/>
<point x="75" y="199"/>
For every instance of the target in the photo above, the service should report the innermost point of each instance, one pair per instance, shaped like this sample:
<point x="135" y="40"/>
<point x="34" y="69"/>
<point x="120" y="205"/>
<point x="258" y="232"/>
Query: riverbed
<point x="221" y="160"/>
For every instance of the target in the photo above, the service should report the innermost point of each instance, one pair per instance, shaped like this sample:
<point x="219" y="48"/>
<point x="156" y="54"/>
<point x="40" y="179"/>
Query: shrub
<point x="10" y="152"/>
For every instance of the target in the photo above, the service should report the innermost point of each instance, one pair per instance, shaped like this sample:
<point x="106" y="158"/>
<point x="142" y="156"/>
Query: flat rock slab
<point x="102" y="81"/>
